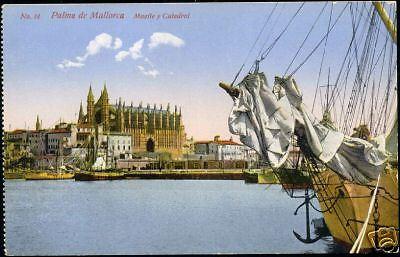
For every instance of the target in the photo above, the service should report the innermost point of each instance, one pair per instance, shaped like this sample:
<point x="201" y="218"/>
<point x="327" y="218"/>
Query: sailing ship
<point x="60" y="171"/>
<point x="96" y="166"/>
<point x="354" y="175"/>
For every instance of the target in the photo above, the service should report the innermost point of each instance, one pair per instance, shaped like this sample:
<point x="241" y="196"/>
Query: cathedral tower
<point x="81" y="115"/>
<point x="38" y="125"/>
<point x="90" y="106"/>
<point x="105" y="109"/>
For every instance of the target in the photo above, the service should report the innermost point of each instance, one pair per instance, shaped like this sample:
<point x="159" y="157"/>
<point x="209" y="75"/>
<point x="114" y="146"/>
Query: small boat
<point x="267" y="177"/>
<point x="48" y="175"/>
<point x="250" y="177"/>
<point x="98" y="175"/>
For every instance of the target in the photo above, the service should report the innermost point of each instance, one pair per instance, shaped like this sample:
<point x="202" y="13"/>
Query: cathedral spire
<point x="80" y="118"/>
<point x="90" y="106"/>
<point x="90" y="97"/>
<point x="119" y="104"/>
<point x="38" y="125"/>
<point x="105" y="93"/>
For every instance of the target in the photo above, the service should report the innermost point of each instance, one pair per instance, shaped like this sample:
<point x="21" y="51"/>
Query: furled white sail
<point x="266" y="120"/>
<point x="392" y="141"/>
<point x="263" y="122"/>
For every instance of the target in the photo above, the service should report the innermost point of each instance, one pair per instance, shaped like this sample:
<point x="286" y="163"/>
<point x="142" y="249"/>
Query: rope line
<point x="319" y="43"/>
<point x="322" y="60"/>
<point x="268" y="50"/>
<point x="305" y="39"/>
<point x="255" y="42"/>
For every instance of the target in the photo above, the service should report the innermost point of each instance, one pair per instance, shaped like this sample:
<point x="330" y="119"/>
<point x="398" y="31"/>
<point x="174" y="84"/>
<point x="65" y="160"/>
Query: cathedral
<point x="151" y="129"/>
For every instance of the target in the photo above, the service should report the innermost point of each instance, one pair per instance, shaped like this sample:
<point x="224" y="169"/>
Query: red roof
<point x="17" y="131"/>
<point x="84" y="125"/>
<point x="54" y="131"/>
<point x="226" y="142"/>
<point x="36" y="131"/>
<point x="220" y="142"/>
<point x="203" y="142"/>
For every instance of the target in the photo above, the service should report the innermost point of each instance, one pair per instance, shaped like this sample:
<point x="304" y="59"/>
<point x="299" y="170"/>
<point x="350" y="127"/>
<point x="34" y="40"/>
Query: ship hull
<point x="48" y="176"/>
<point x="267" y="177"/>
<point x="346" y="205"/>
<point x="92" y="176"/>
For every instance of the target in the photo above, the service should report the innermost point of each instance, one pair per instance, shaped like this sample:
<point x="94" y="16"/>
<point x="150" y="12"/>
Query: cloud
<point x="69" y="64"/>
<point x="135" y="51"/>
<point x="121" y="55"/>
<point x="148" y="62"/>
<point x="117" y="43"/>
<point x="101" y="41"/>
<point x="153" y="72"/>
<point x="164" y="38"/>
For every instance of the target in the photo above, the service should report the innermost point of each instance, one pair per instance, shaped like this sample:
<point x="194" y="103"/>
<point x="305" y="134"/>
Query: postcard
<point x="200" y="128"/>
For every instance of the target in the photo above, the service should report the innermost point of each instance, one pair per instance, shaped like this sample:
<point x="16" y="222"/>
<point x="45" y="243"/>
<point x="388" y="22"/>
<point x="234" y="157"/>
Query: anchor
<point x="308" y="239"/>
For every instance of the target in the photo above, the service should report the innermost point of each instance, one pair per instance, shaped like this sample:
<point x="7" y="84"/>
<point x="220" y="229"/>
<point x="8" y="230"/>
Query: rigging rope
<point x="333" y="99"/>
<point x="305" y="39"/>
<point x="354" y="97"/>
<point x="319" y="43"/>
<point x="269" y="35"/>
<point x="268" y="50"/>
<point x="322" y="60"/>
<point x="255" y="42"/>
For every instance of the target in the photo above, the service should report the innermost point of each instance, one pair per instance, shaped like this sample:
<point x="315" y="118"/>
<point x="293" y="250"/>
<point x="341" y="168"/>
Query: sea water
<point x="69" y="217"/>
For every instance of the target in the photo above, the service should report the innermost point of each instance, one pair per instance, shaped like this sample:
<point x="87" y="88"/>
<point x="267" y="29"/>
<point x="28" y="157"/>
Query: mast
<point x="386" y="20"/>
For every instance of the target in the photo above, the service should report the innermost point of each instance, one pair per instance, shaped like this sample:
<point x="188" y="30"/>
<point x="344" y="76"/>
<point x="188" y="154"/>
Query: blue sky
<point x="202" y="50"/>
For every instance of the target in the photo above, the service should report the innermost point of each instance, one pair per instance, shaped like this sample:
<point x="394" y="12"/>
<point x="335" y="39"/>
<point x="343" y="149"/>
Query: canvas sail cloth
<point x="392" y="141"/>
<point x="266" y="120"/>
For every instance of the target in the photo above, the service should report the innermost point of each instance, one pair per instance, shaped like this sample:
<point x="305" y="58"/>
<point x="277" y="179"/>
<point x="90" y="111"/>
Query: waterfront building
<point x="151" y="129"/>
<point x="18" y="137"/>
<point x="37" y="141"/>
<point x="62" y="136"/>
<point x="118" y="146"/>
<point x="33" y="141"/>
<point x="221" y="150"/>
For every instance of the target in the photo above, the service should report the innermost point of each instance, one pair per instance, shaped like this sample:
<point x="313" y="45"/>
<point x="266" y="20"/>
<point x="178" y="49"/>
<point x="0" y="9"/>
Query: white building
<point x="37" y="142"/>
<point x="117" y="146"/>
<point x="58" y="138"/>
<point x="18" y="137"/>
<point x="224" y="150"/>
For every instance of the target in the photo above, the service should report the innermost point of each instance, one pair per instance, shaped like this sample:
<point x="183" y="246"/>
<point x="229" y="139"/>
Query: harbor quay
<point x="237" y="174"/>
<point x="260" y="176"/>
